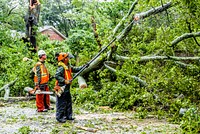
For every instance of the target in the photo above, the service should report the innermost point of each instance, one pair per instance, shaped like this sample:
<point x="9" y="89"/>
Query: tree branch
<point x="148" y="58"/>
<point x="184" y="36"/>
<point x="152" y="11"/>
<point x="125" y="17"/>
<point x="142" y="15"/>
<point x="143" y="83"/>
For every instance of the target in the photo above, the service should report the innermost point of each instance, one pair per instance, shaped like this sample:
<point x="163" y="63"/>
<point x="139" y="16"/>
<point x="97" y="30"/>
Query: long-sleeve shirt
<point x="60" y="74"/>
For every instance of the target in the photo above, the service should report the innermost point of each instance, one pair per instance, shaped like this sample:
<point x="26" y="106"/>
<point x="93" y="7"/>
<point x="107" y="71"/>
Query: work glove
<point x="37" y="88"/>
<point x="67" y="82"/>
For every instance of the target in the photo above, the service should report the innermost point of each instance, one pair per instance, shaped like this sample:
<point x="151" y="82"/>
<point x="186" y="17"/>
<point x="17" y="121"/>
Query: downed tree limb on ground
<point x="183" y="65"/>
<point x="183" y="37"/>
<point x="7" y="89"/>
<point x="143" y="83"/>
<point x="13" y="99"/>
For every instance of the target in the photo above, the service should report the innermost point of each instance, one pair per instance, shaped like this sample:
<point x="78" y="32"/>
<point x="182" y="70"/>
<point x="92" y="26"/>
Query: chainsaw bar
<point x="43" y="92"/>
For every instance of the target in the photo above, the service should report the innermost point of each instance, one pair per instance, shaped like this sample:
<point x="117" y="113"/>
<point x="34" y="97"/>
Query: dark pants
<point x="64" y="105"/>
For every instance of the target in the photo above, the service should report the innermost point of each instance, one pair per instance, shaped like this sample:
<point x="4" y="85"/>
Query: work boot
<point x="50" y="108"/>
<point x="61" y="120"/>
<point x="69" y="118"/>
<point x="44" y="110"/>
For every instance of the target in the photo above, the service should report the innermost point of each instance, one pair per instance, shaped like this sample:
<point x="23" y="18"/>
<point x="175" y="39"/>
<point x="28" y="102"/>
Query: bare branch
<point x="148" y="58"/>
<point x="153" y="11"/>
<point x="184" y="36"/>
<point x="143" y="83"/>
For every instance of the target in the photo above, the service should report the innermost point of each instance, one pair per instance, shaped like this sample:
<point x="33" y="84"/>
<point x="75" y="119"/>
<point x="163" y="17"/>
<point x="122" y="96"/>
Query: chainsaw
<point x="32" y="91"/>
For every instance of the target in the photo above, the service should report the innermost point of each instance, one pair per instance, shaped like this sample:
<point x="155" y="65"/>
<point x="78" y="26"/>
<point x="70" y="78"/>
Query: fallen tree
<point x="99" y="60"/>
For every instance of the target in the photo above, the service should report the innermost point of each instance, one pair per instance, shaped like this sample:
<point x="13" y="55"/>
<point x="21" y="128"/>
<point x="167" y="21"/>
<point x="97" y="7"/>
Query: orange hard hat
<point x="63" y="55"/>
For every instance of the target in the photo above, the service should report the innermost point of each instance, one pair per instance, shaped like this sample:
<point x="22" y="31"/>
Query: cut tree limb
<point x="7" y="88"/>
<point x="81" y="82"/>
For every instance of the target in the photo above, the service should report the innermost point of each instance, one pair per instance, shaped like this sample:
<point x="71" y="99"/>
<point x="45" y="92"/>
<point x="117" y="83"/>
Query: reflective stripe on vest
<point x="67" y="72"/>
<point x="44" y="74"/>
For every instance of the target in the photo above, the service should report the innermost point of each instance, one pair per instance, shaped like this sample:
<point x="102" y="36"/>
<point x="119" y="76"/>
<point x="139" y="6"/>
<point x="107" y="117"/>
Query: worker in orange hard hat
<point x="63" y="79"/>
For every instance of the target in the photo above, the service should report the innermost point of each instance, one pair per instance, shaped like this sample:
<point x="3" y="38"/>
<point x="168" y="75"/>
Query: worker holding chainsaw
<point x="41" y="79"/>
<point x="62" y="87"/>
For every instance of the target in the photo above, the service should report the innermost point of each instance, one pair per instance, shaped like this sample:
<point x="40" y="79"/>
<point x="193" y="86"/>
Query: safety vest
<point x="67" y="72"/>
<point x="44" y="74"/>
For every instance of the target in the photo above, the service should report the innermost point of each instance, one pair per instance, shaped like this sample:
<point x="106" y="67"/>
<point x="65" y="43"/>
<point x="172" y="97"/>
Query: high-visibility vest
<point x="44" y="74"/>
<point x="67" y="72"/>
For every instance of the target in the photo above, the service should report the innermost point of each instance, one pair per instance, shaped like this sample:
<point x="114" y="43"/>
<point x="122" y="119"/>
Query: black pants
<point x="64" y="105"/>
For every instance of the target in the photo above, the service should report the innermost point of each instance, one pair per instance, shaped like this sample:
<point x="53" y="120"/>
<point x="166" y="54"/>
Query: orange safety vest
<point x="44" y="74"/>
<point x="67" y="72"/>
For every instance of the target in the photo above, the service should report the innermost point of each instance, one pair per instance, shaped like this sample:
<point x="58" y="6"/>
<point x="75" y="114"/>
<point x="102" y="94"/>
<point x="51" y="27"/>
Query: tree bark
<point x="148" y="58"/>
<point x="152" y="11"/>
<point x="81" y="82"/>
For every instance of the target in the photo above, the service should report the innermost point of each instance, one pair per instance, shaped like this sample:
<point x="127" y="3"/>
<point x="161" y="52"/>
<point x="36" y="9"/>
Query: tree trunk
<point x="81" y="82"/>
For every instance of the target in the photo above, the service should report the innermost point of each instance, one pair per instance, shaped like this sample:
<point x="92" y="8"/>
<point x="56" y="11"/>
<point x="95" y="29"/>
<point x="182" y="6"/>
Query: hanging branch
<point x="143" y="83"/>
<point x="125" y="17"/>
<point x="183" y="37"/>
<point x="95" y="32"/>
